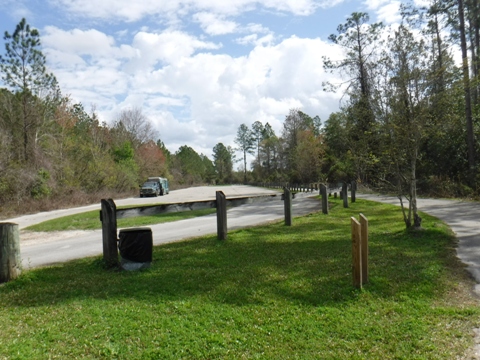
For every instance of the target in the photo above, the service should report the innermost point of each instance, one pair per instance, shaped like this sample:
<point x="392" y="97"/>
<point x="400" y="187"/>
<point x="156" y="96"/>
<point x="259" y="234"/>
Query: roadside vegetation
<point x="270" y="292"/>
<point x="91" y="220"/>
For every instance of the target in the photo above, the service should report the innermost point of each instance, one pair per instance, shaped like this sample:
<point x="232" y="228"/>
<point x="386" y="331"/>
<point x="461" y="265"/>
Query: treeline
<point x="411" y="120"/>
<point x="51" y="148"/>
<point x="294" y="156"/>
<point x="408" y="121"/>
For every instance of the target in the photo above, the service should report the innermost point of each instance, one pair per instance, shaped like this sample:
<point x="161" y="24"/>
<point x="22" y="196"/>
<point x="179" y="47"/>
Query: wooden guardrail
<point x="109" y="215"/>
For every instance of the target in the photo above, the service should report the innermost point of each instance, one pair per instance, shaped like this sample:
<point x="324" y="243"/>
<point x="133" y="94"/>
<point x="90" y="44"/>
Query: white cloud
<point x="387" y="11"/>
<point x="225" y="91"/>
<point x="89" y="42"/>
<point x="213" y="24"/>
<point x="192" y="93"/>
<point x="193" y="97"/>
<point x="168" y="47"/>
<point x="128" y="10"/>
<point x="255" y="40"/>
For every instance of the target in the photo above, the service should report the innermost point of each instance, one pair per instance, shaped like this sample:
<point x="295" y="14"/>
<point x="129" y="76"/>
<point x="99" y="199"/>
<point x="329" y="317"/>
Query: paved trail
<point x="462" y="216"/>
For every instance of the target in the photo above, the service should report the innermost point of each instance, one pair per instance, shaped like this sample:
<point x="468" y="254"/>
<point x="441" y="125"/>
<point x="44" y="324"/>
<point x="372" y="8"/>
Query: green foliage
<point x="191" y="168"/>
<point x="123" y="153"/>
<point x="40" y="187"/>
<point x="23" y="65"/>
<point x="245" y="141"/>
<point x="223" y="162"/>
<point x="23" y="70"/>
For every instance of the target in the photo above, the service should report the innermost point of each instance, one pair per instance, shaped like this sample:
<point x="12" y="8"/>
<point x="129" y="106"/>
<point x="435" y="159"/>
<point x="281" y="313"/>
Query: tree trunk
<point x="467" y="94"/>
<point x="417" y="220"/>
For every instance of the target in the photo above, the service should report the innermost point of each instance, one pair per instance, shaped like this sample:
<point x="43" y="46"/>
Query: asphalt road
<point x="49" y="248"/>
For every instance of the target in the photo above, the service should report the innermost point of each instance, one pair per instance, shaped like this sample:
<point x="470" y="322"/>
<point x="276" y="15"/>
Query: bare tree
<point x="132" y="125"/>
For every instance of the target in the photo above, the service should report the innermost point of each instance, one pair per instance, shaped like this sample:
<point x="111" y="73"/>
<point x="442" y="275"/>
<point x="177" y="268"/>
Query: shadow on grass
<point x="307" y="264"/>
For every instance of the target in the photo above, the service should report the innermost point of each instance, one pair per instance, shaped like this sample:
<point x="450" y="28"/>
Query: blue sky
<point x="197" y="68"/>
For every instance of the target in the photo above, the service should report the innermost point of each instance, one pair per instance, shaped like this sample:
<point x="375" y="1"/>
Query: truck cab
<point x="150" y="188"/>
<point x="163" y="184"/>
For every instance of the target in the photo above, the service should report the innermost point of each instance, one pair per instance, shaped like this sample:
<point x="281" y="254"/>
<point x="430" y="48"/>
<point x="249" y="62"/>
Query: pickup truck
<point x="150" y="188"/>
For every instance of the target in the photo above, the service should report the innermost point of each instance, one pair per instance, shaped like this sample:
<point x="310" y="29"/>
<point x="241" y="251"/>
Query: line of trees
<point x="409" y="121"/>
<point x="51" y="147"/>
<point x="295" y="156"/>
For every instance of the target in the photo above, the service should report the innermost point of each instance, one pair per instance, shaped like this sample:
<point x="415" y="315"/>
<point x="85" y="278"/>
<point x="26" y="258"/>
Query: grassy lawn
<point x="91" y="220"/>
<point x="269" y="292"/>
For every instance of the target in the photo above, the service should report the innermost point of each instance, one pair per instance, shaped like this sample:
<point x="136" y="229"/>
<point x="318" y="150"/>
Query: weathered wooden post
<point x="345" y="195"/>
<point x="356" y="253"/>
<point x="354" y="190"/>
<point x="323" y="192"/>
<point x="108" y="216"/>
<point x="221" y="200"/>
<point x="364" y="225"/>
<point x="10" y="261"/>
<point x="287" y="198"/>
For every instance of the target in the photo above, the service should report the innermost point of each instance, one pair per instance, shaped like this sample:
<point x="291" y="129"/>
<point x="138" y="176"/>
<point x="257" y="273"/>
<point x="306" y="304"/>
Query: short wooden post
<point x="287" y="195"/>
<point x="323" y="192"/>
<point x="10" y="261"/>
<point x="364" y="225"/>
<point x="108" y="216"/>
<point x="221" y="215"/>
<point x="354" y="190"/>
<point x="345" y="195"/>
<point x="356" y="253"/>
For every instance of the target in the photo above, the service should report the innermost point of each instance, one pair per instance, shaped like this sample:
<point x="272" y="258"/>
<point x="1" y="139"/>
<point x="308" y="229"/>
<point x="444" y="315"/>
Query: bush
<point x="40" y="188"/>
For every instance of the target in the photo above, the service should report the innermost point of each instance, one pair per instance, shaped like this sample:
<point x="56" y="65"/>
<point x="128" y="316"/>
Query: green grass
<point x="268" y="292"/>
<point x="91" y="220"/>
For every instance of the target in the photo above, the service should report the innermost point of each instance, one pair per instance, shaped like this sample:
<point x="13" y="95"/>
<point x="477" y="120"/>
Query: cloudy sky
<point x="197" y="68"/>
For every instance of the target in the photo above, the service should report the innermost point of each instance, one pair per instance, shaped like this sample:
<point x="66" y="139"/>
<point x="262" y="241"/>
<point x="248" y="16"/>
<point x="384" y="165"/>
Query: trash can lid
<point x="141" y="229"/>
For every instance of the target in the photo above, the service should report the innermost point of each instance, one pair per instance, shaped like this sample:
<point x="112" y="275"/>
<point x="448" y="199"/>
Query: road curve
<point x="175" y="196"/>
<point x="64" y="246"/>
<point x="463" y="218"/>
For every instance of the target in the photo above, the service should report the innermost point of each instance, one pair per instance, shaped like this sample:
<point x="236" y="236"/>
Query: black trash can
<point x="136" y="246"/>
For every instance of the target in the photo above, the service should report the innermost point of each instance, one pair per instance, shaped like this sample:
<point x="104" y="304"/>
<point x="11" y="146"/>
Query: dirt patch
<point x="474" y="352"/>
<point x="39" y="237"/>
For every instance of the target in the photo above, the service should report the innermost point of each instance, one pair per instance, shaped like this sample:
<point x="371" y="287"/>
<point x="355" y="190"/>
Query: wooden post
<point x="287" y="195"/>
<point x="345" y="195"/>
<point x="221" y="215"/>
<point x="10" y="261"/>
<point x="364" y="225"/>
<point x="323" y="192"/>
<point x="108" y="216"/>
<point x="356" y="253"/>
<point x="354" y="190"/>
